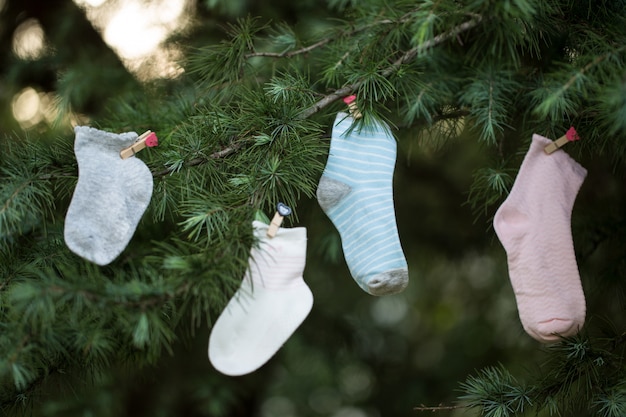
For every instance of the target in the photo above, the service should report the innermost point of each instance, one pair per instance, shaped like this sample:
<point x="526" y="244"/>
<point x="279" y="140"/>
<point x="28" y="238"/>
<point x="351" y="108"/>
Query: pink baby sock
<point x="534" y="227"/>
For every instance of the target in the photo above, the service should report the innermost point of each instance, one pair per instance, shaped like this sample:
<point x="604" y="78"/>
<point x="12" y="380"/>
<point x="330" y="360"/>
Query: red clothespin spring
<point x="147" y="139"/>
<point x="354" y="110"/>
<point x="569" y="136"/>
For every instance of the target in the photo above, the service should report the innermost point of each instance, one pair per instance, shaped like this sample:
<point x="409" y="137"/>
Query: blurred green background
<point x="355" y="355"/>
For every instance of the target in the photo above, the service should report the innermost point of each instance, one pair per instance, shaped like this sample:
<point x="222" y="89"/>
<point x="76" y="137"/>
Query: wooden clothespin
<point x="282" y="211"/>
<point x="354" y="110"/>
<point x="147" y="139"/>
<point x="569" y="136"/>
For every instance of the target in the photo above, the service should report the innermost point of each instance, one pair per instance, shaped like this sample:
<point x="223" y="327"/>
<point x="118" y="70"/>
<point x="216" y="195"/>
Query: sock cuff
<point x="560" y="156"/>
<point x="86" y="135"/>
<point x="278" y="263"/>
<point x="343" y="123"/>
<point x="558" y="169"/>
<point x="291" y="234"/>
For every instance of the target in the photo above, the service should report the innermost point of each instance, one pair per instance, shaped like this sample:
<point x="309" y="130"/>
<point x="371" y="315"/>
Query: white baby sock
<point x="110" y="197"/>
<point x="271" y="303"/>
<point x="533" y="225"/>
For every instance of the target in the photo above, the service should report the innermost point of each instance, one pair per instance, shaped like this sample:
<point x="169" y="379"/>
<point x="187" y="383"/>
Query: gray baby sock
<point x="110" y="197"/>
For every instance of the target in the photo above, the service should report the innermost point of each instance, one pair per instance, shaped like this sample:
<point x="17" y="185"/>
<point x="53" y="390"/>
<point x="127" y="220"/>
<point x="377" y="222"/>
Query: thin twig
<point x="405" y="18"/>
<point x="14" y="195"/>
<point x="290" y="53"/>
<point x="440" y="407"/>
<point x="413" y="52"/>
<point x="198" y="161"/>
<point x="329" y="99"/>
<point x="586" y="68"/>
<point x="194" y="162"/>
<point x="408" y="56"/>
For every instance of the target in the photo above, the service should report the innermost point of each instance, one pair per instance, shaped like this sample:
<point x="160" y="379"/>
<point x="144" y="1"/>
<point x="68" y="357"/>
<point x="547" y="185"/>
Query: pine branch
<point x="406" y="57"/>
<point x="556" y="104"/>
<point x="412" y="53"/>
<point x="329" y="98"/>
<point x="288" y="54"/>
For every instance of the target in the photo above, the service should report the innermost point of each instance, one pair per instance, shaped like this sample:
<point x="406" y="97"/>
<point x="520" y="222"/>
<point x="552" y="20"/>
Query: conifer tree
<point x="247" y="126"/>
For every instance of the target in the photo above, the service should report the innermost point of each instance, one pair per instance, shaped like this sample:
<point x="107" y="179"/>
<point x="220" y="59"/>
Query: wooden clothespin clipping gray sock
<point x="147" y="139"/>
<point x="111" y="195"/>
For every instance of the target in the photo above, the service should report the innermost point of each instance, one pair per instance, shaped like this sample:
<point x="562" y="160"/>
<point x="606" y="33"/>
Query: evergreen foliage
<point x="247" y="127"/>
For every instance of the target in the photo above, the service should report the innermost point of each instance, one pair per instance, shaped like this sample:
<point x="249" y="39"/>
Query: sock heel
<point x="510" y="224"/>
<point x="330" y="192"/>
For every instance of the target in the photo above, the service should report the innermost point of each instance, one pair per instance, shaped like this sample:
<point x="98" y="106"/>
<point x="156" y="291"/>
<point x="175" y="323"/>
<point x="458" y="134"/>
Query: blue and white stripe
<point x="363" y="161"/>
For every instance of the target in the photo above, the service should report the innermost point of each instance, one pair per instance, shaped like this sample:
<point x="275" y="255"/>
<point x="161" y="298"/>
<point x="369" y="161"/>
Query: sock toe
<point x="389" y="282"/>
<point x="552" y="330"/>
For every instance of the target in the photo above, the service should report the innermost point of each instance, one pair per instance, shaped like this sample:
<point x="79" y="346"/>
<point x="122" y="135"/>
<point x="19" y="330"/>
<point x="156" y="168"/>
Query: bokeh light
<point x="90" y="3"/>
<point x="29" y="40"/>
<point x="389" y="311"/>
<point x="132" y="31"/>
<point x="278" y="406"/>
<point x="137" y="32"/>
<point x="26" y="107"/>
<point x="31" y="107"/>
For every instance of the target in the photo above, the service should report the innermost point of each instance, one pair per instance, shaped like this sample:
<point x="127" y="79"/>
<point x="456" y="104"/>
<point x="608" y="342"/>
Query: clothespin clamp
<point x="569" y="136"/>
<point x="354" y="110"/>
<point x="282" y="211"/>
<point x="147" y="139"/>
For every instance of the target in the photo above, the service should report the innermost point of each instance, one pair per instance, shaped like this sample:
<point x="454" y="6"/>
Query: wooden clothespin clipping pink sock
<point x="570" y="136"/>
<point x="282" y="211"/>
<point x="534" y="226"/>
<point x="147" y="139"/>
<point x="354" y="110"/>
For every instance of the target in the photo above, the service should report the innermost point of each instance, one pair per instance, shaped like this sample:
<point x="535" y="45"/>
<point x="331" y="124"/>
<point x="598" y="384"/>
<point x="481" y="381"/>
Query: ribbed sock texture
<point x="270" y="305"/>
<point x="534" y="226"/>
<point x="356" y="193"/>
<point x="110" y="198"/>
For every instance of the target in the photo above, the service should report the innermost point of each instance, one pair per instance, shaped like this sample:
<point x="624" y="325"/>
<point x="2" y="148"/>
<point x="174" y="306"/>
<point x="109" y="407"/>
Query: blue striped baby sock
<point x="355" y="192"/>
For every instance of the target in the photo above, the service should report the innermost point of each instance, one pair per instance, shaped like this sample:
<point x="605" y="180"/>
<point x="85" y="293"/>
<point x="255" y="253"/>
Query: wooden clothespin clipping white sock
<point x="569" y="136"/>
<point x="282" y="211"/>
<point x="147" y="139"/>
<point x="354" y="110"/>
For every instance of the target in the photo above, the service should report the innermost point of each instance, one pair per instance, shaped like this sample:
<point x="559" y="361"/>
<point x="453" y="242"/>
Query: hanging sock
<point x="271" y="303"/>
<point x="110" y="197"/>
<point x="355" y="192"/>
<point x="534" y="227"/>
